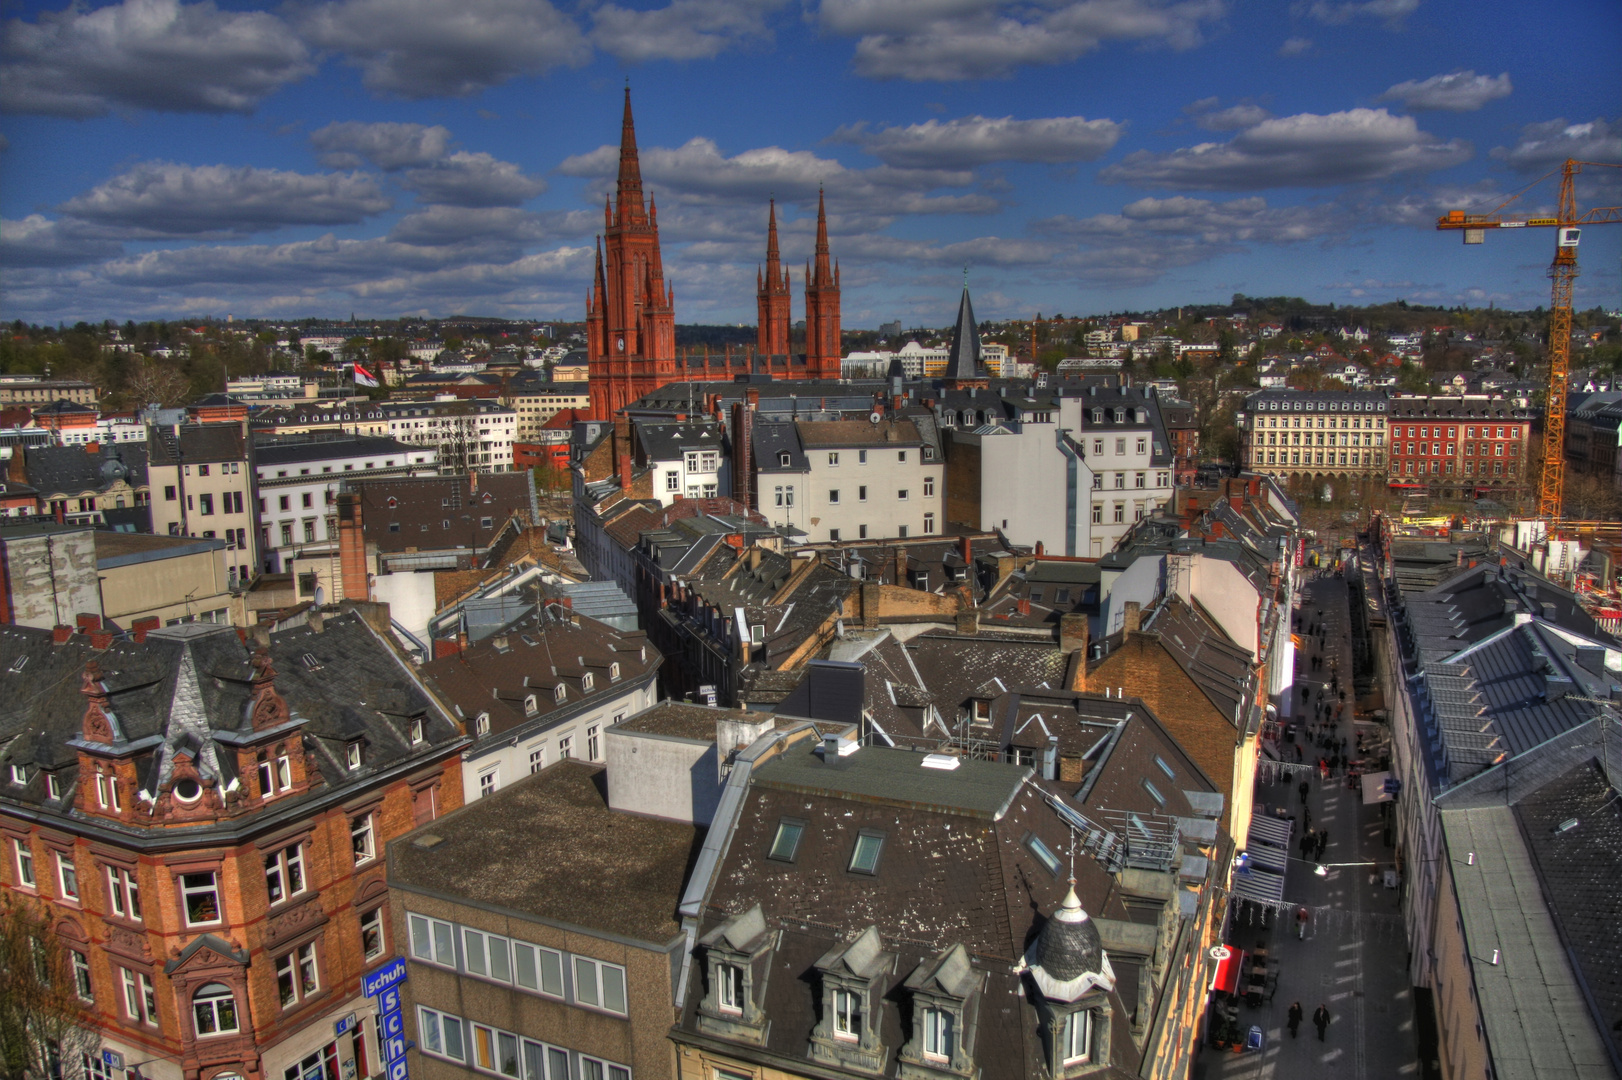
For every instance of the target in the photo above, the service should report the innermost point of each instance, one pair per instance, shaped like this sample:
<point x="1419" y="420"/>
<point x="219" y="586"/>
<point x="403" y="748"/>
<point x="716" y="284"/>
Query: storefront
<point x="340" y="1046"/>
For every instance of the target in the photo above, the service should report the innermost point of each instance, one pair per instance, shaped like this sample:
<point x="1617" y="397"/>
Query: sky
<point x="322" y="158"/>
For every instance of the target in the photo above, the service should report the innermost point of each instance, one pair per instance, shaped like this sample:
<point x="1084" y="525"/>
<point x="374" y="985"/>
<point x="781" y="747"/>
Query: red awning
<point x="1227" y="972"/>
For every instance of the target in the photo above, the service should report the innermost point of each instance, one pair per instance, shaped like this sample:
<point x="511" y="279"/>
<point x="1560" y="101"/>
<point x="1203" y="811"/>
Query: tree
<point x="43" y="1022"/>
<point x="151" y="381"/>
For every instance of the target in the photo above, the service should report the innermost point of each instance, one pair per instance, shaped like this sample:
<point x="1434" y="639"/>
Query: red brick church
<point x="631" y="311"/>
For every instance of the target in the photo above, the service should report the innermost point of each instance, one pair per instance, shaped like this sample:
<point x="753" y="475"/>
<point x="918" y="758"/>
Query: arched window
<point x="215" y="1009"/>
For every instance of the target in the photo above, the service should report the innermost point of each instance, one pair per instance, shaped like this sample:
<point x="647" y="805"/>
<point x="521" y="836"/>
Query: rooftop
<point x="549" y="847"/>
<point x="897" y="778"/>
<point x="679" y="720"/>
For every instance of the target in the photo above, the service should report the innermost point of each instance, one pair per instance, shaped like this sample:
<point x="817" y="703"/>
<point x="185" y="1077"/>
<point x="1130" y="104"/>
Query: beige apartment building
<point x="1317" y="435"/>
<point x="203" y="486"/>
<point x="173" y="579"/>
<point x="536" y="404"/>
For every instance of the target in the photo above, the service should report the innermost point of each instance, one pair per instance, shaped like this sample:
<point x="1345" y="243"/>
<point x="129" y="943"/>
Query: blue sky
<point x="388" y="157"/>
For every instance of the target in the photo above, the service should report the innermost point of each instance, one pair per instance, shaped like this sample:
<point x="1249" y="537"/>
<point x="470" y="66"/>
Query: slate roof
<point x="68" y="470"/>
<point x="183" y="683"/>
<point x="963" y="356"/>
<point x="548" y="846"/>
<point x="1218" y="666"/>
<point x="295" y="450"/>
<point x="196" y="443"/>
<point x="422" y="504"/>
<point x="668" y="442"/>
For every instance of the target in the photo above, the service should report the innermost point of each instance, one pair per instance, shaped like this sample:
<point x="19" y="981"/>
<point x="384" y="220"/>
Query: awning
<point x="1226" y="978"/>
<point x="1260" y="884"/>
<point x="1374" y="788"/>
<point x="1259" y="872"/>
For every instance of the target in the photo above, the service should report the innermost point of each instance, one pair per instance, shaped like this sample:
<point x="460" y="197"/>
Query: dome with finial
<point x="1067" y="959"/>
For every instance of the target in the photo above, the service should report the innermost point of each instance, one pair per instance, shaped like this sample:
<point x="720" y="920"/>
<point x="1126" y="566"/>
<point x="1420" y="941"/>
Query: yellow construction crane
<point x="1568" y="225"/>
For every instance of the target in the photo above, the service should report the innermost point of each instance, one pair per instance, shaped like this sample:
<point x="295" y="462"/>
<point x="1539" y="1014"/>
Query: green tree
<point x="43" y="1022"/>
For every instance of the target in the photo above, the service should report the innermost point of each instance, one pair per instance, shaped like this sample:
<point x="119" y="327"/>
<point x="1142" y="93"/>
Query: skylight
<point x="1165" y="768"/>
<point x="864" y="858"/>
<point x="1044" y="854"/>
<point x="787" y="841"/>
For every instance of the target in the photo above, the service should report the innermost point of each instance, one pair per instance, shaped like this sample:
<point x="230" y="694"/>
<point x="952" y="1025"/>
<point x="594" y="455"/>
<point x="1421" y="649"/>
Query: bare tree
<point x="44" y="1024"/>
<point x="152" y="380"/>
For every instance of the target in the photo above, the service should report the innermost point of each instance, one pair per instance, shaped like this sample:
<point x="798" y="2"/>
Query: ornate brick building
<point x="631" y="310"/>
<point x="204" y="819"/>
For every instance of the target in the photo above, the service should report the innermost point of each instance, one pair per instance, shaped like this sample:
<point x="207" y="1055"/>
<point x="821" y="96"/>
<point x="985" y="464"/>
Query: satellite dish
<point x="875" y="417"/>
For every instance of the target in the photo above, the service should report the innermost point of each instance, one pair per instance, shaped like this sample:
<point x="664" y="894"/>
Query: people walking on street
<point x="1295" y="1020"/>
<point x="1323" y="843"/>
<point x="1320" y="1020"/>
<point x="1303" y="789"/>
<point x="1301" y="917"/>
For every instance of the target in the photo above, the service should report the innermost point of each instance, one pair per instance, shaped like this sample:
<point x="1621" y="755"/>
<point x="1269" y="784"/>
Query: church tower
<point x="823" y="347"/>
<point x="630" y="312"/>
<point x="773" y="297"/>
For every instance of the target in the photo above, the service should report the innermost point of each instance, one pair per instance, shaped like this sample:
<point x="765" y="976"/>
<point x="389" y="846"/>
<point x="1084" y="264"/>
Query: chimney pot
<point x="87" y="622"/>
<point x="101" y="639"/>
<point x="61" y="633"/>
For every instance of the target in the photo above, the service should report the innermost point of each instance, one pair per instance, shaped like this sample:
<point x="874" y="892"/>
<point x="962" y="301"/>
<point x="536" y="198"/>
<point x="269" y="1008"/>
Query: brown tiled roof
<point x="411" y="512"/>
<point x="841" y="433"/>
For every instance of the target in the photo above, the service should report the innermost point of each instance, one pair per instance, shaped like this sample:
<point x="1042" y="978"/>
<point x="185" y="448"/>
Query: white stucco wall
<point x="662" y="776"/>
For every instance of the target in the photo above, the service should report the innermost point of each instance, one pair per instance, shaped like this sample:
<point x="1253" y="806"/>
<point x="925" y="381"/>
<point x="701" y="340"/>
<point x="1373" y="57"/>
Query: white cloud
<point x="1235" y="117"/>
<point x="465" y="179"/>
<point x="1391" y="12"/>
<point x="1296" y="46"/>
<point x="978" y="140"/>
<point x="1306" y="150"/>
<point x="682" y="30"/>
<point x="1460" y="91"/>
<point x="951" y="40"/>
<point x="1548" y="144"/>
<point x="158" y="199"/>
<point x="38" y="241"/>
<point x="146" y="54"/>
<point x="697" y="172"/>
<point x="429" y="48"/>
<point x="1237" y="221"/>
<point x="347" y="144"/>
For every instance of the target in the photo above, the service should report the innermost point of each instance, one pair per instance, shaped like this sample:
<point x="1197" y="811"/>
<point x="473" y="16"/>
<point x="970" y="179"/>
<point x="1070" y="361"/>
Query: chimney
<point x="1073" y="633"/>
<point x="900" y="565"/>
<point x="87" y="622"/>
<point x="352" y="548"/>
<point x="61" y="633"/>
<point x="966" y="549"/>
<point x="968" y="622"/>
<point x="141" y="627"/>
<point x="315" y="620"/>
<point x="1131" y="616"/>
<point x="92" y="448"/>
<point x="1039" y="549"/>
<point x="625" y="473"/>
<point x="101" y="639"/>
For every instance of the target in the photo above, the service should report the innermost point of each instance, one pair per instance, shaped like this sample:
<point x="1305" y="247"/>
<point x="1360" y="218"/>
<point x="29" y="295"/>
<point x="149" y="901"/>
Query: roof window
<point x="1043" y="853"/>
<point x="864" y="857"/>
<point x="1167" y="769"/>
<point x="786" y="844"/>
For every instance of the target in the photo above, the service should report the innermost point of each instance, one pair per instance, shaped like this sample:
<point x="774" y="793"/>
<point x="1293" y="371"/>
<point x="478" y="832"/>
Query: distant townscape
<point x="626" y="699"/>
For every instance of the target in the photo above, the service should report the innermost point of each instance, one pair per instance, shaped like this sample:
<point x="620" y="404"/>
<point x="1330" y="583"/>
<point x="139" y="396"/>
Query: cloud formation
<point x="147" y="54"/>
<point x="1296" y="46"/>
<point x="925" y="40"/>
<point x="682" y="30"/>
<point x="1235" y="117"/>
<point x="1548" y="144"/>
<point x="38" y="241"/>
<point x="1391" y="12"/>
<point x="349" y="144"/>
<point x="1306" y="150"/>
<point x="978" y="140"/>
<point x="474" y="180"/>
<point x="1460" y="91"/>
<point x="429" y="48"/>
<point x="162" y="199"/>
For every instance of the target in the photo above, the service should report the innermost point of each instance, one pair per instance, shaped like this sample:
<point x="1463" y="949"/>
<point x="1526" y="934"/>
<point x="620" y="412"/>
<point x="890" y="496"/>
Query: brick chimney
<point x="900" y="565"/>
<point x="1132" y="616"/>
<point x="624" y="466"/>
<point x="968" y="621"/>
<point x="141" y="627"/>
<point x="966" y="549"/>
<point x="61" y="633"/>
<point x="352" y="547"/>
<point x="1073" y="632"/>
<point x="87" y="622"/>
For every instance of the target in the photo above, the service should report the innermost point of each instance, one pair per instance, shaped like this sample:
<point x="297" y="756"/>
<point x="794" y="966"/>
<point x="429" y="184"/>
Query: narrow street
<point x="1352" y="958"/>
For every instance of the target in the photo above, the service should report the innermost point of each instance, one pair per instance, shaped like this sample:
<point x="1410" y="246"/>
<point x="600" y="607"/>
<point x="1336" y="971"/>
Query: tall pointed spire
<point x="963" y="361"/>
<point x="630" y="178"/>
<point x="773" y="299"/>
<point x="772" y="258"/>
<point x="824" y="275"/>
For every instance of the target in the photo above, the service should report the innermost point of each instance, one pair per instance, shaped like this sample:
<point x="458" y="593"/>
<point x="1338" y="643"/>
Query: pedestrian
<point x="1303" y="789"/>
<point x="1320" y="1020"/>
<point x="1323" y="843"/>
<point x="1306" y="819"/>
<point x="1272" y="988"/>
<point x="1295" y="1020"/>
<point x="1306" y="841"/>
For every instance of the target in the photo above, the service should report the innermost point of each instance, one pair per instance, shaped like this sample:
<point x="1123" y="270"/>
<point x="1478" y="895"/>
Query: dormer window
<point x="730" y="988"/>
<point x="19" y="774"/>
<point x="587" y="682"/>
<point x="1076" y="1042"/>
<point x="783" y="459"/>
<point x="614" y="672"/>
<point x="981" y="710"/>
<point x="737" y="955"/>
<point x="560" y="693"/>
<point x="352" y="755"/>
<point x="852" y="977"/>
<point x="481" y="723"/>
<point x="416" y="731"/>
<point x="945" y="993"/>
<point x="937" y="1025"/>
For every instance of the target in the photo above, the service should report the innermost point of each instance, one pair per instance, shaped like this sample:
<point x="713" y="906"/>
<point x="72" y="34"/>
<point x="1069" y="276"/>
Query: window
<point x="1044" y="854"/>
<point x="833" y="495"/>
<point x="352" y="755"/>
<point x="205" y="503"/>
<point x="440" y="1033"/>
<point x="1140" y="480"/>
<point x="371" y="933"/>
<point x="81" y="975"/>
<point x="25" y="863"/>
<point x="901" y="495"/>
<point x="833" y="459"/>
<point x="937" y="1034"/>
<point x="296" y="975"/>
<point x="1120" y="446"/>
<point x="1165" y="768"/>
<point x="67" y="877"/>
<point x="416" y="731"/>
<point x="1120" y="513"/>
<point x="214" y="1009"/>
<point x="537" y="759"/>
<point x="1098" y="511"/>
<point x="537" y="968"/>
<point x="284" y="873"/>
<point x="861" y="493"/>
<point x="1078" y="1038"/>
<point x="432" y="940"/>
<point x="864" y="857"/>
<point x="361" y="839"/>
<point x="599" y="985"/>
<point x="487" y="784"/>
<point x="1154" y="792"/>
<point x="273" y="774"/>
<point x="140" y="1002"/>
<point x="19" y="774"/>
<point x="787" y="841"/>
<point x="847" y="1015"/>
<point x="200" y="898"/>
<point x="486" y="955"/>
<point x="729" y="987"/>
<point x="672" y="481"/>
<point x="929" y="487"/>
<point x="929" y="524"/>
<point x="1142" y="445"/>
<point x="168" y="493"/>
<point x="123" y="894"/>
<point x="901" y="455"/>
<point x="833" y="535"/>
<point x="591" y="743"/>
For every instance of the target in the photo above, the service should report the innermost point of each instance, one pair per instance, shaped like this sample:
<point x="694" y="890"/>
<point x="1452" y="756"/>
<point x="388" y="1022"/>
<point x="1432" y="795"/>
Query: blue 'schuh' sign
<point x="384" y="977"/>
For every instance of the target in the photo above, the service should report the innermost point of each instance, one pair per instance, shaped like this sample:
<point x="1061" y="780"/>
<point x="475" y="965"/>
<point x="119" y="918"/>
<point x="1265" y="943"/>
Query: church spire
<point x="823" y="275"/>
<point x="630" y="178"/>
<point x="963" y="361"/>
<point x="773" y="261"/>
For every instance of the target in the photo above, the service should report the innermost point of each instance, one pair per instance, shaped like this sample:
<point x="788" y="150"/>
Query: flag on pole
<point x="364" y="377"/>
